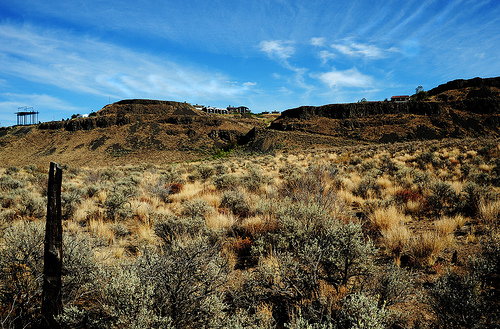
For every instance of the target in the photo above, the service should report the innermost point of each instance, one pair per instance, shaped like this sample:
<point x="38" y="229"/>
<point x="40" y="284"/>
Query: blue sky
<point x="72" y="57"/>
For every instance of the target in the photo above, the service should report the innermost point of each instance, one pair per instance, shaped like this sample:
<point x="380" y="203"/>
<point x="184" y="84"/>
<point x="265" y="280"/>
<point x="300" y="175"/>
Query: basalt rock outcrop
<point x="460" y="108"/>
<point x="129" y="131"/>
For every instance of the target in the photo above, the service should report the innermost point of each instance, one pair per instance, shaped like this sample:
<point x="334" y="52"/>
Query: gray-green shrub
<point x="187" y="280"/>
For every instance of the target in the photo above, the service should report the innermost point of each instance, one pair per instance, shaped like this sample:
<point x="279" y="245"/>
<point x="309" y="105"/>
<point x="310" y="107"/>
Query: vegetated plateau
<point x="366" y="215"/>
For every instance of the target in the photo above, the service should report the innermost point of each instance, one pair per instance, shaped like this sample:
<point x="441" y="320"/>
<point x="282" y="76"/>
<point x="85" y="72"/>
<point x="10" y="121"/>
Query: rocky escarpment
<point x="461" y="84"/>
<point x="359" y="110"/>
<point x="461" y="108"/>
<point x="129" y="131"/>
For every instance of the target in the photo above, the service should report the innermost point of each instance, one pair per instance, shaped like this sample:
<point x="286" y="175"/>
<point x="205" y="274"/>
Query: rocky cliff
<point x="460" y="108"/>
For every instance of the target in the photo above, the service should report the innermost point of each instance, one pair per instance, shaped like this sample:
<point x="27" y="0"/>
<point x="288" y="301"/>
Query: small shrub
<point x="234" y="201"/>
<point x="456" y="301"/>
<point x="187" y="280"/>
<point x="226" y="181"/>
<point x="120" y="230"/>
<point x="8" y="183"/>
<point x="443" y="198"/>
<point x="70" y="199"/>
<point x="253" y="180"/>
<point x="405" y="195"/>
<point x="115" y="205"/>
<point x="206" y="171"/>
<point x="393" y="285"/>
<point x="31" y="205"/>
<point x="169" y="228"/>
<point x="367" y="187"/>
<point x="311" y="187"/>
<point x="175" y="188"/>
<point x="362" y="312"/>
<point x="195" y="209"/>
<point x="31" y="168"/>
<point x="92" y="190"/>
<point x="21" y="273"/>
<point x="12" y="170"/>
<point x="471" y="197"/>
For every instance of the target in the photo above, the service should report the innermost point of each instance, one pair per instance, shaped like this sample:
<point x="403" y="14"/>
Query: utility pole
<point x="52" y="257"/>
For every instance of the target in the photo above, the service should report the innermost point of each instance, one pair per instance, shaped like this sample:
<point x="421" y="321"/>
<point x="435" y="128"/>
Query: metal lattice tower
<point x="26" y="116"/>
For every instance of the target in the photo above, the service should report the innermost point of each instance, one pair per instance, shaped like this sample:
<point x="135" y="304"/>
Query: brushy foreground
<point x="385" y="236"/>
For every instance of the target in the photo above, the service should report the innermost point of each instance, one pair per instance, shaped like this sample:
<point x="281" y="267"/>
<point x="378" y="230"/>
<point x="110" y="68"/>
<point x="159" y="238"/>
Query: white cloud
<point x="325" y="56"/>
<point x="93" y="67"/>
<point x="359" y="50"/>
<point x="14" y="100"/>
<point x="279" y="49"/>
<point x="318" y="42"/>
<point x="347" y="78"/>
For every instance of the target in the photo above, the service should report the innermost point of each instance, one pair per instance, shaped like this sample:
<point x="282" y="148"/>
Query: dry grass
<point x="426" y="247"/>
<point x="489" y="212"/>
<point x="396" y="240"/>
<point x="388" y="218"/>
<point x="216" y="220"/>
<point x="399" y="226"/>
<point x="448" y="225"/>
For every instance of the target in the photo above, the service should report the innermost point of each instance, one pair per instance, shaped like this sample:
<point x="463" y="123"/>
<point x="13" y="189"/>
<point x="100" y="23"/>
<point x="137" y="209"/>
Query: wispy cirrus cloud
<point x="353" y="49"/>
<point x="346" y="78"/>
<point x="282" y="51"/>
<point x="326" y="56"/>
<point x="52" y="57"/>
<point x="277" y="49"/>
<point x="318" y="41"/>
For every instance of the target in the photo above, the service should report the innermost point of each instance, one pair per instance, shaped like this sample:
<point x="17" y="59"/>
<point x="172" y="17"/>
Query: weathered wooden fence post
<point x="52" y="258"/>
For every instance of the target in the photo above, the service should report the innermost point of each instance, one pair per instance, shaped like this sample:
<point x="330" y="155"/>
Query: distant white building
<point x="215" y="110"/>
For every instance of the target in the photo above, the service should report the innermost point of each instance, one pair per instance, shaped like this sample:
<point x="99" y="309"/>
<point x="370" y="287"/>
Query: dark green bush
<point x="443" y="199"/>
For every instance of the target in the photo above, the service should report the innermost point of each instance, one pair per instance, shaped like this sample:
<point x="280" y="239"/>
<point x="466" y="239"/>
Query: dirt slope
<point x="127" y="132"/>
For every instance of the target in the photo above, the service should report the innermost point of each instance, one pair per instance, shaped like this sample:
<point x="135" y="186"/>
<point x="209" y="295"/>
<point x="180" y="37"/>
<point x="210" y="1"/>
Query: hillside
<point x="129" y="131"/>
<point x="460" y="108"/>
<point x="137" y="131"/>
